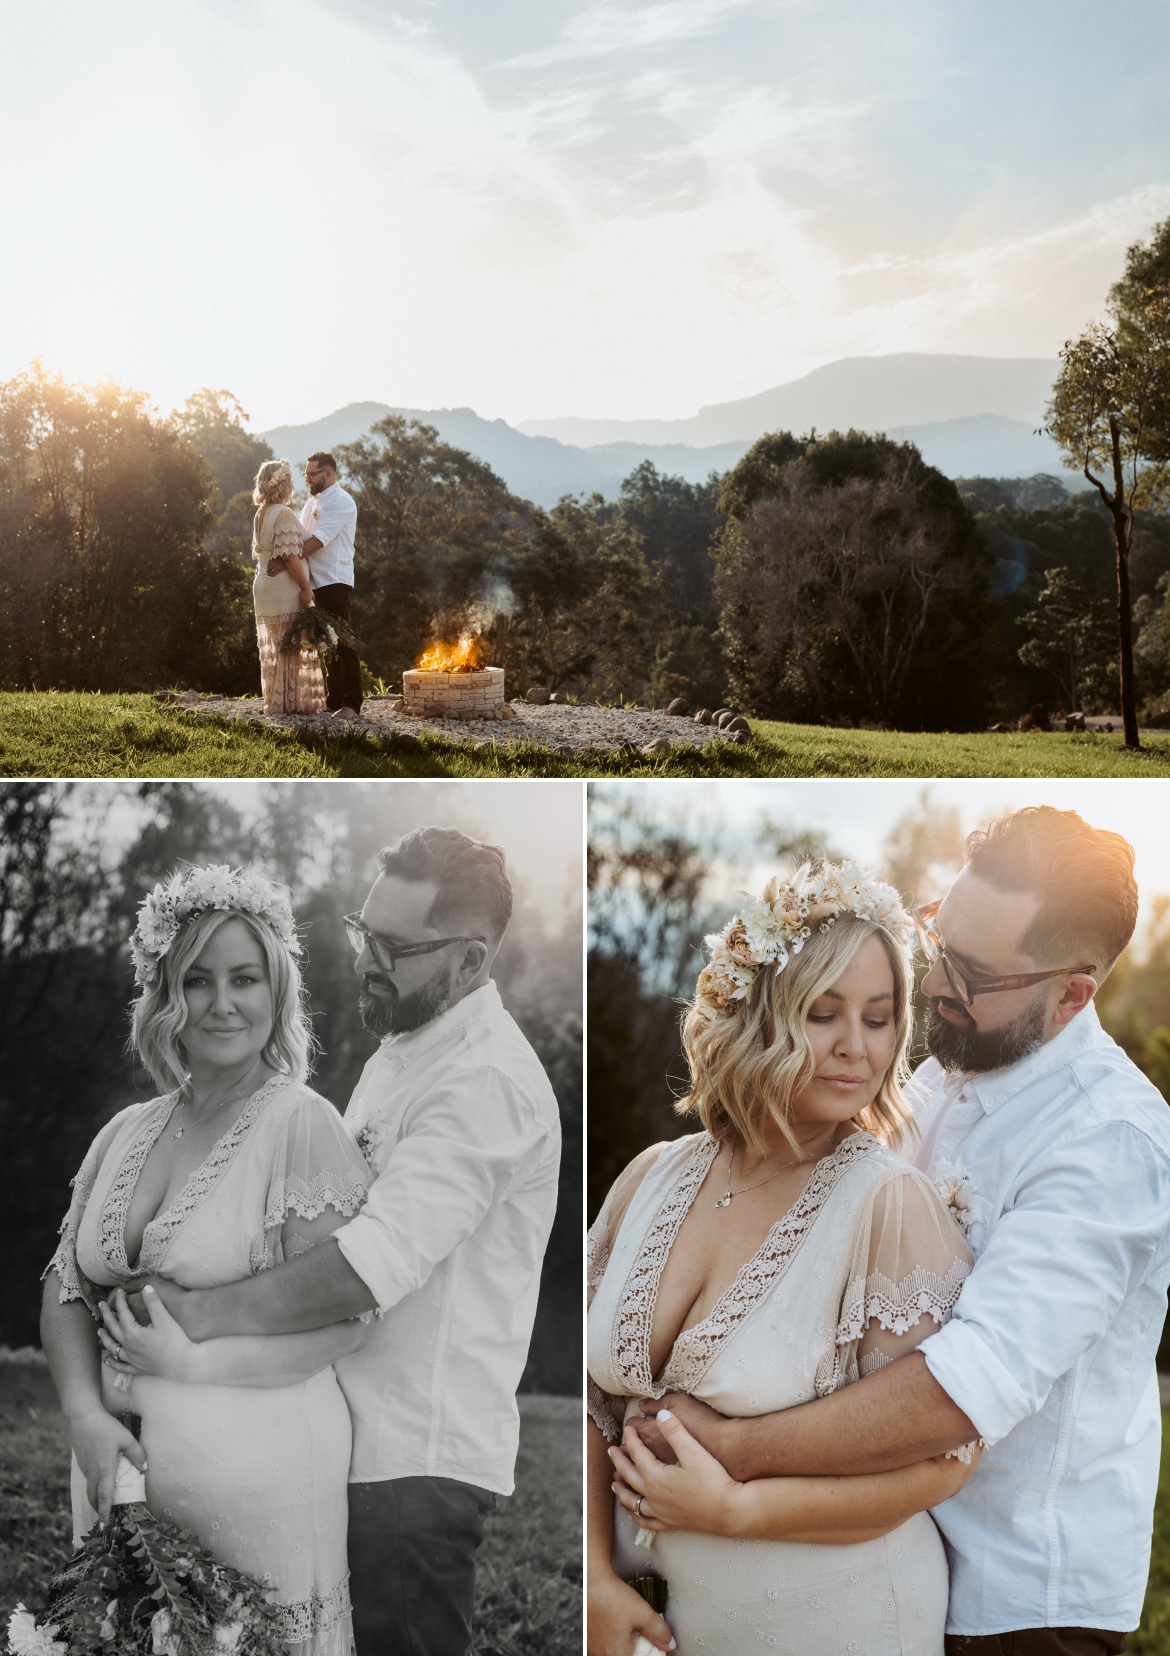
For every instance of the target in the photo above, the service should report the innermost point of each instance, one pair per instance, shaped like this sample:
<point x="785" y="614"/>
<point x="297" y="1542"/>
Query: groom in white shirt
<point x="1061" y="1148"/>
<point x="457" y="1118"/>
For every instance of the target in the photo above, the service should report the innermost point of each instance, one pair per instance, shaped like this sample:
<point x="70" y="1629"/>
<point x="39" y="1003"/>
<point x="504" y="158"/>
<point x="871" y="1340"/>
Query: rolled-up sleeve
<point x="458" y="1156"/>
<point x="332" y="518"/>
<point x="1083" y="1231"/>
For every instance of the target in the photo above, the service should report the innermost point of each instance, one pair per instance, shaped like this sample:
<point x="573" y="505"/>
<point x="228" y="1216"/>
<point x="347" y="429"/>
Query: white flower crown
<point x="770" y="929"/>
<point x="193" y="891"/>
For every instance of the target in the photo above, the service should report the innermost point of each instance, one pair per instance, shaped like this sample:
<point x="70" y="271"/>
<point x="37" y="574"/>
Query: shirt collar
<point x="324" y="492"/>
<point x="482" y="1003"/>
<point x="995" y="1087"/>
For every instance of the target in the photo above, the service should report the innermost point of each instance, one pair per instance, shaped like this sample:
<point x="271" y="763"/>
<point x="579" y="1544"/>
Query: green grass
<point x="68" y="733"/>
<point x="529" y="1599"/>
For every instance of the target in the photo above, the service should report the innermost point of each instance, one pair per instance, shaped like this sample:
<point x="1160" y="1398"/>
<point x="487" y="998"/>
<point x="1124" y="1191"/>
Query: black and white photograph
<point x="289" y="1330"/>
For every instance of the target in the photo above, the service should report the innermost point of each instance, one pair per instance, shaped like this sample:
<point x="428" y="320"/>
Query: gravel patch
<point x="561" y="729"/>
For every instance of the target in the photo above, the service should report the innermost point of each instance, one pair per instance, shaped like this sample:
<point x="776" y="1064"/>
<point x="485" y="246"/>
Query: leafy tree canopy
<point x="213" y="423"/>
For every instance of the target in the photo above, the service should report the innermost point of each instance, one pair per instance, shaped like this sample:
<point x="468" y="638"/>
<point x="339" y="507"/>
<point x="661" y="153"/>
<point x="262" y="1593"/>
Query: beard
<point x="967" y="1047"/>
<point x="390" y="1013"/>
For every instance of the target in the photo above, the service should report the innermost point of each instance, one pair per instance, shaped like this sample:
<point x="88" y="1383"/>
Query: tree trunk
<point x="1122" y="534"/>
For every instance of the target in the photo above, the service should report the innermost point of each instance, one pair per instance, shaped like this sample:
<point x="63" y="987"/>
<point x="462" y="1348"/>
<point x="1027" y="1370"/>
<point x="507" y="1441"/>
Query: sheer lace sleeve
<point x="608" y="1412"/>
<point x="319" y="1179"/>
<point x="288" y="535"/>
<point x="74" y="1284"/>
<point x="909" y="1260"/>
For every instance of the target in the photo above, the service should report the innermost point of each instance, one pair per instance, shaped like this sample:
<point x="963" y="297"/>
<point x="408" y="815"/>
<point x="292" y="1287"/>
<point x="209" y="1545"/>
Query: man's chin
<point x="961" y="1046"/>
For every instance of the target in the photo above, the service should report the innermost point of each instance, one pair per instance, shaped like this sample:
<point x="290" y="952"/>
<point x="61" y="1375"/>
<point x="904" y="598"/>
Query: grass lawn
<point x="529" y="1601"/>
<point x="71" y="734"/>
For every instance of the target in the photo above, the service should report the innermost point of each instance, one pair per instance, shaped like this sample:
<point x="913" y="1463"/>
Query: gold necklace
<point x="724" y="1201"/>
<point x="220" y="1106"/>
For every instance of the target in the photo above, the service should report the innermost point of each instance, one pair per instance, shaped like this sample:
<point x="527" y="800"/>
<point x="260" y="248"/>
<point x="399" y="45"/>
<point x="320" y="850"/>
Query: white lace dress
<point x="864" y="1265"/>
<point x="258" y="1474"/>
<point x="289" y="683"/>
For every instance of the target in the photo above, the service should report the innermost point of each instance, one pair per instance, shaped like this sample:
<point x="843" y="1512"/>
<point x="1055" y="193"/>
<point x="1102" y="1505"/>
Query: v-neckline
<point x="199" y="1182"/>
<point x="756" y="1276"/>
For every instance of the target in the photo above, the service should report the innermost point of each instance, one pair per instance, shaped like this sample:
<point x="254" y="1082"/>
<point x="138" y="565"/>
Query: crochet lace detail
<point x="112" y="1219"/>
<point x="74" y="1284"/>
<point x="696" y="1349"/>
<point x="308" y="1618"/>
<point x="630" y="1338"/>
<point x="900" y="1306"/>
<point x="605" y="1412"/>
<point x="596" y="1257"/>
<point x="344" y="1192"/>
<point x="161" y="1231"/>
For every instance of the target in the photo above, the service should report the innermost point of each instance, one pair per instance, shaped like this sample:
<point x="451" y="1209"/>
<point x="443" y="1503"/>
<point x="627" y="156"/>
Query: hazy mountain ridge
<point x="969" y="416"/>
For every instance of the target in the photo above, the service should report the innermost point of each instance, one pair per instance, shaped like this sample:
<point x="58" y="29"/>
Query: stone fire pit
<point x="478" y="694"/>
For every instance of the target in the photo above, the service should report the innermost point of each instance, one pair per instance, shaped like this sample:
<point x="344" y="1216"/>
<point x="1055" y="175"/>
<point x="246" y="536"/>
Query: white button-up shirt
<point x="460" y="1123"/>
<point x="1050" y="1350"/>
<point x="332" y="517"/>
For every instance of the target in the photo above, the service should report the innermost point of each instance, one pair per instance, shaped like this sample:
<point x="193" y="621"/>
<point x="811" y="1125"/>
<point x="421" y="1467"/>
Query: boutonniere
<point x="957" y="1188"/>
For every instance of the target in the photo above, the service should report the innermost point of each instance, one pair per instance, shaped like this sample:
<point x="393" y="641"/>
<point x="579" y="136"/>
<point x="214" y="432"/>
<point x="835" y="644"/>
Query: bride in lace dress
<point x="782" y="1252"/>
<point x="289" y="683"/>
<point x="245" y="1441"/>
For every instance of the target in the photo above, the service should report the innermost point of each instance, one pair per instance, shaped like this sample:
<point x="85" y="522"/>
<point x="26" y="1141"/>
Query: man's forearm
<point x="891" y="1419"/>
<point x="307" y="1292"/>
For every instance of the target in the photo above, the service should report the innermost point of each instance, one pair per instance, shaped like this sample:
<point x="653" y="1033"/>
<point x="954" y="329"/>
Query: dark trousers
<point x="1039" y="1641"/>
<point x="412" y="1546"/>
<point x="343" y="678"/>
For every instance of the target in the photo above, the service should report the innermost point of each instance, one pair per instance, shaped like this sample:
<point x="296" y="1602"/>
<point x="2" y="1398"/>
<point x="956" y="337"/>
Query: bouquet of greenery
<point x="317" y="630"/>
<point x="138" y="1586"/>
<point x="653" y="1589"/>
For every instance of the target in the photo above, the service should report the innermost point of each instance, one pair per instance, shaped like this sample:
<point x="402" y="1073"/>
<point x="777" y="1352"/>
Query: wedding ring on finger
<point x="638" y="1506"/>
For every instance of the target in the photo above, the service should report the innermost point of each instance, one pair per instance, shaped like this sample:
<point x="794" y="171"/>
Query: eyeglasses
<point x="961" y="981"/>
<point x="388" y="954"/>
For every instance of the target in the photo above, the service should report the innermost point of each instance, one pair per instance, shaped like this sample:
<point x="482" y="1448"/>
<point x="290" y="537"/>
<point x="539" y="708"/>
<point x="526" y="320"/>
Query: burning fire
<point x="462" y="657"/>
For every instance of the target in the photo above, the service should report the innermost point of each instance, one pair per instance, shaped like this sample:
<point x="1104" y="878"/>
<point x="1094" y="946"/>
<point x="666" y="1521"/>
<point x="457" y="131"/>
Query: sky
<point x="617" y="208"/>
<point x="856" y="817"/>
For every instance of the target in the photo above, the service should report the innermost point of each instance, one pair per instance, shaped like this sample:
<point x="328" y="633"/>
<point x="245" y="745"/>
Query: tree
<point x="434" y="525"/>
<point x="677" y="522"/>
<point x="1110" y="394"/>
<point x="104" y="516"/>
<point x="1071" y="638"/>
<point x="213" y="423"/>
<point x="689" y="661"/>
<point x="853" y="582"/>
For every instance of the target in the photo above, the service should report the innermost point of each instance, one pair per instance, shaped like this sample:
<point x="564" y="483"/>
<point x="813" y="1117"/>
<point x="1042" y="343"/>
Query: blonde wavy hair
<point x="274" y="483"/>
<point x="160" y="1012"/>
<point x="748" y="1065"/>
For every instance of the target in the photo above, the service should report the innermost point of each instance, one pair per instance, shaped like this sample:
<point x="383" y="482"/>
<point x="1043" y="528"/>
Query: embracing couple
<point x="334" y="1315"/>
<point x="872" y="1360"/>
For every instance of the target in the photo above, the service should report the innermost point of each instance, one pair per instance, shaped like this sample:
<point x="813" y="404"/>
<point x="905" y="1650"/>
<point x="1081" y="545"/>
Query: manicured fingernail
<point x="673" y="1645"/>
<point x="665" y="1414"/>
<point x="148" y="1289"/>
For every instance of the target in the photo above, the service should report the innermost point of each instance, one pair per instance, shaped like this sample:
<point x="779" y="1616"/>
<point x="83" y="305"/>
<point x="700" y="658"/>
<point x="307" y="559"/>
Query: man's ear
<point x="1078" y="992"/>
<point x="475" y="958"/>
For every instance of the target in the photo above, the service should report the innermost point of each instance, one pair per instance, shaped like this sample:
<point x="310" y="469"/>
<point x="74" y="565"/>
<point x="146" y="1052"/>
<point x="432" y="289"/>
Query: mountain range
<point x="969" y="416"/>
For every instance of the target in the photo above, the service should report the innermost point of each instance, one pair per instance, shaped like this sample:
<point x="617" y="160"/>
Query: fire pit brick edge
<point x="454" y="692"/>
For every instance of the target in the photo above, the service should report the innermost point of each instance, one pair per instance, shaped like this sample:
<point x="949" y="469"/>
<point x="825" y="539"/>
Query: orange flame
<point x="465" y="656"/>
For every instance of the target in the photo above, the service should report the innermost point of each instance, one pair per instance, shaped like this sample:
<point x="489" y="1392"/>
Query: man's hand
<point x="713" y="1430"/>
<point x="275" y="566"/>
<point x="180" y="1302"/>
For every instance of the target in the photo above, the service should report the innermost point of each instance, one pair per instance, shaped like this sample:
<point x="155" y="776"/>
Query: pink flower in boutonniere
<point x="957" y="1188"/>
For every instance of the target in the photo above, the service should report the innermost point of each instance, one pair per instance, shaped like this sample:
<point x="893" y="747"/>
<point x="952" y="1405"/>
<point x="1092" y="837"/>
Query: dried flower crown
<point x="770" y="929"/>
<point x="193" y="891"/>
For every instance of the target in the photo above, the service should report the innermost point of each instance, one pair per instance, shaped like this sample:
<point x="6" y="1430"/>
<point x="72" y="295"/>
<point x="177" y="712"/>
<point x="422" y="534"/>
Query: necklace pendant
<point x="180" y="1133"/>
<point x="724" y="1201"/>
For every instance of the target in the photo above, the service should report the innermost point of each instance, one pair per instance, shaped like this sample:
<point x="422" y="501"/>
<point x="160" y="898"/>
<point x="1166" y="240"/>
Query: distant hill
<point x="869" y="393"/>
<point x="969" y="416"/>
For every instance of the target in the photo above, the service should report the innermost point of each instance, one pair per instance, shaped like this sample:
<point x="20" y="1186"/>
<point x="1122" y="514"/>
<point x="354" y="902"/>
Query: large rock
<point x="660" y="744"/>
<point x="679" y="707"/>
<point x="538" y="695"/>
<point x="703" y="716"/>
<point x="738" y="724"/>
<point x="559" y="699"/>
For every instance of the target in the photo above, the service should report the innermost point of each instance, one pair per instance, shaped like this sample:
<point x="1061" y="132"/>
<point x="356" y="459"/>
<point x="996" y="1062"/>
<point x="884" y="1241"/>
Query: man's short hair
<point x="475" y="893"/>
<point x="1081" y="876"/>
<point x="321" y="458"/>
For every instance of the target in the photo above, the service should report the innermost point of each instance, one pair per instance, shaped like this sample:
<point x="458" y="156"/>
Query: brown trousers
<point x="343" y="678"/>
<point x="1038" y="1641"/>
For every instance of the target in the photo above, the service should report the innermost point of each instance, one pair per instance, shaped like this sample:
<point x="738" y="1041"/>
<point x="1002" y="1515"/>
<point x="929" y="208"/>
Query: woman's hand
<point x="160" y="1348"/>
<point x="694" y="1494"/>
<point x="617" y="1616"/>
<point x="98" y="1439"/>
<point x="306" y="597"/>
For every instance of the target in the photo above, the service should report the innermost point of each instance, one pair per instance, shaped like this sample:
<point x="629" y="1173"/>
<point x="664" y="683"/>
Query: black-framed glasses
<point x="965" y="985"/>
<point x="388" y="954"/>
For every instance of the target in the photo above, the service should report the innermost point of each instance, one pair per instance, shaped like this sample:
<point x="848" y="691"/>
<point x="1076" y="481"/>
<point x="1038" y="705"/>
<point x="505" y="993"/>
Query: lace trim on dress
<point x="74" y="1284"/>
<point x="161" y="1231"/>
<point x="288" y="683"/>
<point x="630" y="1337"/>
<point x="309" y="1618"/>
<point x="344" y="1192"/>
<point x="596" y="1256"/>
<point x="604" y="1410"/>
<point x="900" y="1306"/>
<point x="111" y="1237"/>
<point x="287" y="538"/>
<point x="696" y="1349"/>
